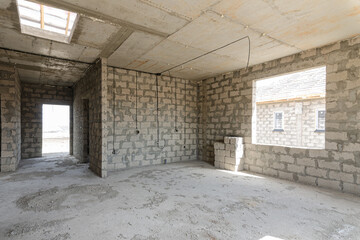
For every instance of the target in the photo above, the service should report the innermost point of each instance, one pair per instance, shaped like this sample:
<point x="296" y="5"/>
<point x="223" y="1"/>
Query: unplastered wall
<point x="10" y="93"/>
<point x="92" y="87"/>
<point x="32" y="98"/>
<point x="177" y="104"/>
<point x="226" y="108"/>
<point x="299" y="127"/>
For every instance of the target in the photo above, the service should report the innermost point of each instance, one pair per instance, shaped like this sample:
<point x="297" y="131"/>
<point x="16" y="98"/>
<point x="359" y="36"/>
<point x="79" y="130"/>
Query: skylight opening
<point x="46" y="22"/>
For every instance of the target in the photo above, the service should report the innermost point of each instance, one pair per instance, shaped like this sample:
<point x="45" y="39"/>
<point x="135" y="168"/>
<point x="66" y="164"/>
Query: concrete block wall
<point x="226" y="109"/>
<point x="181" y="112"/>
<point x="10" y="136"/>
<point x="229" y="154"/>
<point x="92" y="87"/>
<point x="299" y="129"/>
<point x="32" y="98"/>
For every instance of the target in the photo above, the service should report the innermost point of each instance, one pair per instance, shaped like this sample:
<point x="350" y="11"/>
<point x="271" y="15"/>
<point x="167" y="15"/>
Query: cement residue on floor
<point x="56" y="198"/>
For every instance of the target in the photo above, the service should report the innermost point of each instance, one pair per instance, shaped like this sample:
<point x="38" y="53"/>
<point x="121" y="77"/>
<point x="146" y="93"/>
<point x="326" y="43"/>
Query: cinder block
<point x="296" y="168"/>
<point x="307" y="179"/>
<point x="351" y="188"/>
<point x="222" y="165"/>
<point x="329" y="165"/>
<point x="287" y="159"/>
<point x="278" y="166"/>
<point x="286" y="175"/>
<point x="346" y="177"/>
<point x="270" y="172"/>
<point x="350" y="168"/>
<point x="351" y="147"/>
<point x="219" y="146"/>
<point x="315" y="153"/>
<point x="231" y="167"/>
<point x="230" y="147"/>
<point x="221" y="153"/>
<point x="306" y="162"/>
<point x="232" y="160"/>
<point x="219" y="158"/>
<point x="255" y="169"/>
<point x="299" y="152"/>
<point x="316" y="172"/>
<point x="333" y="184"/>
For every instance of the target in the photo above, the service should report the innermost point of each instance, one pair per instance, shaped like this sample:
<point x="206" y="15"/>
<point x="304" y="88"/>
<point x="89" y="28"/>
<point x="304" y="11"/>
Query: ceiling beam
<point x="115" y="42"/>
<point x="22" y="55"/>
<point x="67" y="23"/>
<point x="103" y="17"/>
<point x="42" y="16"/>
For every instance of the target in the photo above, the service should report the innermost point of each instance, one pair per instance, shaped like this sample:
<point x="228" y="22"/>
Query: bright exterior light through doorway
<point x="46" y="22"/>
<point x="56" y="129"/>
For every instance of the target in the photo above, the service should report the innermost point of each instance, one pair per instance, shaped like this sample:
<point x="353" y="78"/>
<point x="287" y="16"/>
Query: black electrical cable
<point x="176" y="107"/>
<point x="136" y="102"/>
<point x="114" y="89"/>
<point x="202" y="55"/>
<point x="185" y="117"/>
<point x="157" y="110"/>
<point x="248" y="60"/>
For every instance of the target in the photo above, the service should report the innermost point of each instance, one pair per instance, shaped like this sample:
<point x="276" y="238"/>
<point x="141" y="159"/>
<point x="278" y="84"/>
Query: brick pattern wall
<point x="228" y="154"/>
<point x="226" y="105"/>
<point x="222" y="110"/>
<point x="92" y="87"/>
<point x="32" y="99"/>
<point x="141" y="149"/>
<point x="10" y="93"/>
<point x="299" y="129"/>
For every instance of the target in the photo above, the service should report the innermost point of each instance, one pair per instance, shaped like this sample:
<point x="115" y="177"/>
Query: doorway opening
<point x="56" y="129"/>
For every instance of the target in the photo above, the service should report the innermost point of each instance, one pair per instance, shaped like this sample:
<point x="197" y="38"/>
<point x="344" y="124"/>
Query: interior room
<point x="154" y="119"/>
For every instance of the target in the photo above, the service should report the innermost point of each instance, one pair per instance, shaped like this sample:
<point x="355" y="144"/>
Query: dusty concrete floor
<point x="53" y="198"/>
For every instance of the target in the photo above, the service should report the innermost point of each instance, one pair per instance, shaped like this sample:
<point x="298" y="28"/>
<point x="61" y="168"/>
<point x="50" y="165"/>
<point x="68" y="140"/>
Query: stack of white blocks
<point x="228" y="155"/>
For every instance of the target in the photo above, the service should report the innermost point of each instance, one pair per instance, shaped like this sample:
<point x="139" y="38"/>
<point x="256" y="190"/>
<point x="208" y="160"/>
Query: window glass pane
<point x="29" y="14"/>
<point x="30" y="23"/>
<point x="53" y="29"/>
<point x="321" y="120"/>
<point x="278" y="120"/>
<point x="55" y="21"/>
<point x="30" y="5"/>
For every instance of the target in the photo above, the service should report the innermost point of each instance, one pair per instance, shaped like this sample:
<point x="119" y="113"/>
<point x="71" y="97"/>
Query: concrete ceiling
<point x="155" y="35"/>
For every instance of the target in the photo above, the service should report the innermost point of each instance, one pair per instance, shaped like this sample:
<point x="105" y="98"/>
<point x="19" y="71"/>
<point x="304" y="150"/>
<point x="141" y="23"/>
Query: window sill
<point x="319" y="131"/>
<point x="278" y="130"/>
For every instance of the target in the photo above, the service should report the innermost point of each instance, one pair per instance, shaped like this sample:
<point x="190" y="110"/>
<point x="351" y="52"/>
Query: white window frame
<point x="317" y="129"/>
<point x="282" y="121"/>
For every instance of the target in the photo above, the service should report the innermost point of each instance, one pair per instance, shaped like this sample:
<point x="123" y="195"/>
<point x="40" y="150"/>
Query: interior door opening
<point x="56" y="129"/>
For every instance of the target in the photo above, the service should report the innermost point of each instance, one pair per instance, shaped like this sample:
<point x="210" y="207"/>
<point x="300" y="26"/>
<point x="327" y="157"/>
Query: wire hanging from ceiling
<point x="157" y="110"/>
<point x="136" y="103"/>
<point x="176" y="107"/>
<point x="214" y="50"/>
<point x="114" y="89"/>
<point x="184" y="134"/>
